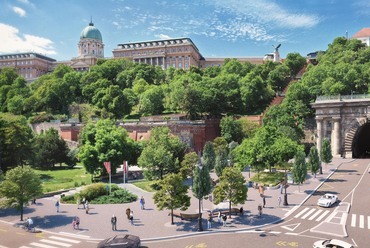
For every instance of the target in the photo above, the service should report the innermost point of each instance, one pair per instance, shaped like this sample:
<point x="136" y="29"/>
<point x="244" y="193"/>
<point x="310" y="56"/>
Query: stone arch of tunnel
<point x="361" y="142"/>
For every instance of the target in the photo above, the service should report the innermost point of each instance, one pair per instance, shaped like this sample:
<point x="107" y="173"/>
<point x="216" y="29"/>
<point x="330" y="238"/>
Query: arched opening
<point x="361" y="142"/>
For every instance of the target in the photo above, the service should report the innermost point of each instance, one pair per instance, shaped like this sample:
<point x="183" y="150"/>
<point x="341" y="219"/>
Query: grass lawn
<point x="63" y="178"/>
<point x="144" y="185"/>
<point x="269" y="178"/>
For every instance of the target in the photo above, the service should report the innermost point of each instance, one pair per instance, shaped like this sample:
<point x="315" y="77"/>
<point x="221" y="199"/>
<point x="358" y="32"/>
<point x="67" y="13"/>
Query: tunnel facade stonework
<point x="344" y="121"/>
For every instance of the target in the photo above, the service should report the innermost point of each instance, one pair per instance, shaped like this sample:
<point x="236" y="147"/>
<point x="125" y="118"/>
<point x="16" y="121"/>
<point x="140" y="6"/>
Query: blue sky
<point x="219" y="28"/>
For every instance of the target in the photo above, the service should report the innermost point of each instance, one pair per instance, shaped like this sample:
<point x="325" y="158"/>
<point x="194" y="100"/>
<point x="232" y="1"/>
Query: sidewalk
<point x="152" y="224"/>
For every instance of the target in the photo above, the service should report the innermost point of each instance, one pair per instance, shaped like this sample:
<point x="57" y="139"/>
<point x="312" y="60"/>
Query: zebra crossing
<point x="52" y="242"/>
<point x="312" y="214"/>
<point x="319" y="214"/>
<point x="361" y="221"/>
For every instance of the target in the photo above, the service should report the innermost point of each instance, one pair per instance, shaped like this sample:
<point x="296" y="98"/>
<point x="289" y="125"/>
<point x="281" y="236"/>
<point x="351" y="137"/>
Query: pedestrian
<point x="34" y="201"/>
<point x="142" y="202"/>
<point x="279" y="201"/>
<point x="224" y="218"/>
<point x="76" y="223"/>
<point x="29" y="223"/>
<point x="83" y="202"/>
<point x="209" y="220"/>
<point x="281" y="189"/>
<point x="259" y="210"/>
<point x="87" y="207"/>
<point x="264" y="201"/>
<point x="132" y="217"/>
<point x="128" y="212"/>
<point x="241" y="211"/>
<point x="57" y="204"/>
<point x="113" y="220"/>
<point x="219" y="216"/>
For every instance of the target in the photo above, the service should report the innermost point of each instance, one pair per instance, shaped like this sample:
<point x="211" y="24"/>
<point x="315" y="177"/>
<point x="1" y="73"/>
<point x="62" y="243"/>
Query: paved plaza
<point x="151" y="224"/>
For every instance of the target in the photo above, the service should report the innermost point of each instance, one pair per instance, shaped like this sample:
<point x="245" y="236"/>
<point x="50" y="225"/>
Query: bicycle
<point x="27" y="228"/>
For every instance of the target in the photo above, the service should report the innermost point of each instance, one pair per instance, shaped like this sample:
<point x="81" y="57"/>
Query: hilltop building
<point x="363" y="35"/>
<point x="178" y="53"/>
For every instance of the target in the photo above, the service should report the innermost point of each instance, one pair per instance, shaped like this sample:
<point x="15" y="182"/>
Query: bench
<point x="235" y="211"/>
<point x="184" y="216"/>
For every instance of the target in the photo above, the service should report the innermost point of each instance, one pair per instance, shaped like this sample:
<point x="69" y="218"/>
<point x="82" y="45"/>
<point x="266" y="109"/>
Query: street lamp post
<point x="285" y="202"/>
<point x="200" y="226"/>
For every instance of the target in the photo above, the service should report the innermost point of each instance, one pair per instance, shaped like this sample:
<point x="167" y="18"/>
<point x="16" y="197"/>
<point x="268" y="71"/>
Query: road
<point x="302" y="225"/>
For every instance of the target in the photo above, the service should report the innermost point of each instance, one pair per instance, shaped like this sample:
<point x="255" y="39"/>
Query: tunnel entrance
<point x="361" y="142"/>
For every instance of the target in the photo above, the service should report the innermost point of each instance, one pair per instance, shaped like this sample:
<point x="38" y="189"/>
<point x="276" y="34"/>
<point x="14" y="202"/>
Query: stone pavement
<point x="152" y="224"/>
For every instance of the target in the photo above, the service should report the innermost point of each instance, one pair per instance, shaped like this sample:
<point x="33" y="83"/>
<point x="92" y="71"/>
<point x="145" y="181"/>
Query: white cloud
<point x="24" y="1"/>
<point x="12" y="42"/>
<point x="21" y="12"/>
<point x="265" y="11"/>
<point x="163" y="36"/>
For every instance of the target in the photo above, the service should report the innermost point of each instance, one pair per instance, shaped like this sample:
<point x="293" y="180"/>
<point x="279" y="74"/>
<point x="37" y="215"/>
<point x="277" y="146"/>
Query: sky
<point x="219" y="28"/>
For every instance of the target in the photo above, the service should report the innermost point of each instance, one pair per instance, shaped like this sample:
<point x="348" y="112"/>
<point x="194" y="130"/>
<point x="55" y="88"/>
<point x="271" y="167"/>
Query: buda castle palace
<point x="177" y="53"/>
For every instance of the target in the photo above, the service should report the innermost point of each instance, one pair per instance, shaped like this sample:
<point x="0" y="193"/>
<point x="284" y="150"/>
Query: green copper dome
<point x="91" y="32"/>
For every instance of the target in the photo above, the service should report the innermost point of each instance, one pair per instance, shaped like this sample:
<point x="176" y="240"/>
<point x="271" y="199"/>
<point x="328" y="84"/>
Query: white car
<point x="331" y="243"/>
<point x="327" y="200"/>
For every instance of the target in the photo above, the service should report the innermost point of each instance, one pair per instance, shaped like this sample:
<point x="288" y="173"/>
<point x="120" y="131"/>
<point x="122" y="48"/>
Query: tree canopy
<point x="21" y="184"/>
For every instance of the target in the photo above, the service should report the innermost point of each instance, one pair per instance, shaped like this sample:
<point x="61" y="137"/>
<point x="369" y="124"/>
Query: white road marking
<point x="55" y="242"/>
<point x="64" y="239"/>
<point x="315" y="214"/>
<point x="307" y="214"/>
<point x="362" y="221"/>
<point x="42" y="246"/>
<point x="322" y="215"/>
<point x="300" y="213"/>
<point x="353" y="221"/>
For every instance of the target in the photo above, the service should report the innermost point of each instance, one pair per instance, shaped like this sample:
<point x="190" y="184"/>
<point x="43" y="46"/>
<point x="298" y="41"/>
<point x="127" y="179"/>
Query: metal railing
<point x="342" y="97"/>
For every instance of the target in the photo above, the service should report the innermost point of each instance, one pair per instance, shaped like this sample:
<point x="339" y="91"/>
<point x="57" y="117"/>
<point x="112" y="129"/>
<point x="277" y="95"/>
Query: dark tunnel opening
<point x="361" y="142"/>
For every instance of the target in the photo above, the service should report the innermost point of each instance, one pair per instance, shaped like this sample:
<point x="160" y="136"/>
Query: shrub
<point x="93" y="191"/>
<point x="116" y="197"/>
<point x="156" y="185"/>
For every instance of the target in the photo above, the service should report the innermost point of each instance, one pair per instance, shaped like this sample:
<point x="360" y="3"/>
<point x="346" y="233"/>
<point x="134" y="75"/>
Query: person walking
<point x="76" y="223"/>
<point x="142" y="202"/>
<point x="113" y="221"/>
<point x="83" y="202"/>
<point x="209" y="220"/>
<point x="259" y="210"/>
<point x="132" y="217"/>
<point x="219" y="216"/>
<point x="128" y="212"/>
<point x="224" y="218"/>
<point x="57" y="204"/>
<point x="241" y="211"/>
<point x="87" y="207"/>
<point x="279" y="201"/>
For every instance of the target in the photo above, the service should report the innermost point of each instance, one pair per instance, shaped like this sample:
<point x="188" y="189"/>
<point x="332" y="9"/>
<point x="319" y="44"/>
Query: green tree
<point x="188" y="164"/>
<point x="221" y="162"/>
<point x="313" y="160"/>
<point x="21" y="184"/>
<point x="299" y="171"/>
<point x="49" y="149"/>
<point x="295" y="62"/>
<point x="104" y="141"/>
<point x="15" y="141"/>
<point x="231" y="187"/>
<point x="326" y="155"/>
<point x="209" y="155"/>
<point x="162" y="154"/>
<point x="231" y="129"/>
<point x="151" y="101"/>
<point x="172" y="194"/>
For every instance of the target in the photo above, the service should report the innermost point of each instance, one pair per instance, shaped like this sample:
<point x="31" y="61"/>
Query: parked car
<point x="121" y="241"/>
<point x="327" y="200"/>
<point x="331" y="243"/>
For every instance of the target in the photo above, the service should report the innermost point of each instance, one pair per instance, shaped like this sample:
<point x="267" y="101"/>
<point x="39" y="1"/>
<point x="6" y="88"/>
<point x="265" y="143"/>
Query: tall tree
<point x="202" y="181"/>
<point x="209" y="155"/>
<point x="162" y="154"/>
<point x="15" y="141"/>
<point x="231" y="129"/>
<point x="231" y="187"/>
<point x="172" y="194"/>
<point x="50" y="149"/>
<point x="299" y="170"/>
<point x="104" y="141"/>
<point x="326" y="155"/>
<point x="221" y="162"/>
<point x="313" y="160"/>
<point x="21" y="184"/>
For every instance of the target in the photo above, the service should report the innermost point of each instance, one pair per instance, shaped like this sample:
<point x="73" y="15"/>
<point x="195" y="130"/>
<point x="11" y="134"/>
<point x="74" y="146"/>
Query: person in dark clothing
<point x="113" y="221"/>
